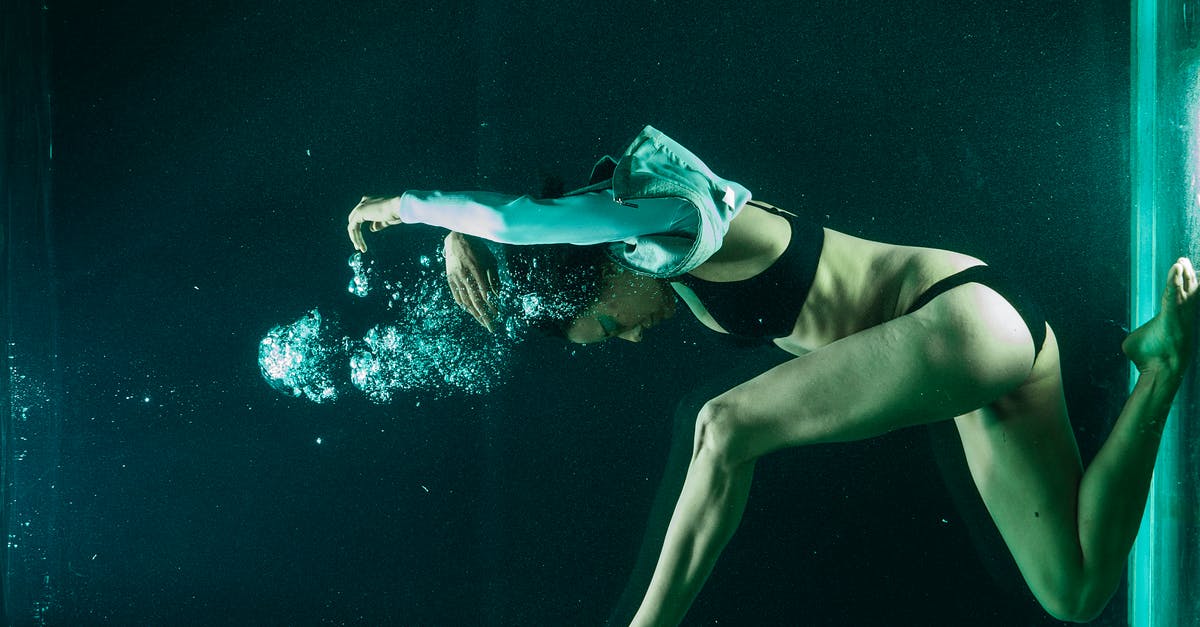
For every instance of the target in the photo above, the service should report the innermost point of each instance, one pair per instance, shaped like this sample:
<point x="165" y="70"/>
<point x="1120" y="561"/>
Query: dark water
<point x="205" y="155"/>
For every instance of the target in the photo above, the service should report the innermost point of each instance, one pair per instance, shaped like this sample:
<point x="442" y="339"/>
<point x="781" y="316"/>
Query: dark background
<point x="205" y="155"/>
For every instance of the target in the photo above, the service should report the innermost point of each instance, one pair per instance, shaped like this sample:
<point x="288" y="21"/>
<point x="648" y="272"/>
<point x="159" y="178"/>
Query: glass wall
<point x="1165" y="564"/>
<point x="31" y="394"/>
<point x="176" y="182"/>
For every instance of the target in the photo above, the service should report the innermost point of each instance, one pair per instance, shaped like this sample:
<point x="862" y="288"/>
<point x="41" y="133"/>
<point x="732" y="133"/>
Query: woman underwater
<point x="884" y="337"/>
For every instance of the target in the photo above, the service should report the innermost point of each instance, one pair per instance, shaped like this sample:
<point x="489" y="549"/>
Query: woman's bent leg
<point x="708" y="512"/>
<point x="932" y="365"/>
<point x="1070" y="531"/>
<point x="683" y="432"/>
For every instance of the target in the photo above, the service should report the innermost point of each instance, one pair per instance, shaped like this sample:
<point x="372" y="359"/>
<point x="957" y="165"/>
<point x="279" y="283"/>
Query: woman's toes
<point x="1189" y="275"/>
<point x="1172" y="289"/>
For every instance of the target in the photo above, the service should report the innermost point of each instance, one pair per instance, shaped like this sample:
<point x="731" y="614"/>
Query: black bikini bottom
<point x="1029" y="310"/>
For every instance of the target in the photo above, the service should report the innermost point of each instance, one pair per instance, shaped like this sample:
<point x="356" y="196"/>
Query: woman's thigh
<point x="1025" y="462"/>
<point x="963" y="350"/>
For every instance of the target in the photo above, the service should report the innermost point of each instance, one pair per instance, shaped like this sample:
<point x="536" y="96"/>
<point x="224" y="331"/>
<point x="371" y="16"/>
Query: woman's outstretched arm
<point x="591" y="218"/>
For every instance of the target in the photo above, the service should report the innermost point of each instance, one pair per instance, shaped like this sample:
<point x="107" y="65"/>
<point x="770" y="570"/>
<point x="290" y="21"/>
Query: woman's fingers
<point x="493" y="282"/>
<point x="372" y="214"/>
<point x="478" y="307"/>
<point x="481" y="283"/>
<point x="356" y="238"/>
<point x="468" y="296"/>
<point x="455" y="289"/>
<point x="462" y="297"/>
<point x="356" y="220"/>
<point x="380" y="225"/>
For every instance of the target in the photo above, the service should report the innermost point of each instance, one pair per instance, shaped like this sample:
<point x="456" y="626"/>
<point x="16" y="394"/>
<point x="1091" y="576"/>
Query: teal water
<point x="205" y="156"/>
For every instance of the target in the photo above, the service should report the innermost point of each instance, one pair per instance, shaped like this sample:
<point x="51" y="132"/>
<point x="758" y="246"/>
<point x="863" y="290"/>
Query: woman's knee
<point x="719" y="434"/>
<point x="1078" y="598"/>
<point x="1074" y="608"/>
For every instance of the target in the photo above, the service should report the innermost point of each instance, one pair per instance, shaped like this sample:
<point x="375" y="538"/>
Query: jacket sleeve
<point x="591" y="218"/>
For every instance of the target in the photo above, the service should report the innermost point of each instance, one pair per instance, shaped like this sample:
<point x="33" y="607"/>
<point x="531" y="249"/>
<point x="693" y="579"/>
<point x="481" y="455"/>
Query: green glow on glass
<point x="1164" y="173"/>
<point x="1142" y="162"/>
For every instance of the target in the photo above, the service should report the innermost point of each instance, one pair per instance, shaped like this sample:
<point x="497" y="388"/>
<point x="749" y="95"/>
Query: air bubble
<point x="298" y="359"/>
<point x="360" y="284"/>
<point x="429" y="346"/>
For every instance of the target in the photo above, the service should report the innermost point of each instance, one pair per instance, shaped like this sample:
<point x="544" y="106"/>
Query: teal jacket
<point x="659" y="208"/>
<point x="656" y="166"/>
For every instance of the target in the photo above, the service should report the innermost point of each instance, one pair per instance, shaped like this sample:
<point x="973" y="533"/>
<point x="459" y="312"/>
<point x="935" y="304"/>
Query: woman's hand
<point x="471" y="272"/>
<point x="379" y="212"/>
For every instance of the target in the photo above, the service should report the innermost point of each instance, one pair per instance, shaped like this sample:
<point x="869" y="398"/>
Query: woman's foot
<point x="1164" y="344"/>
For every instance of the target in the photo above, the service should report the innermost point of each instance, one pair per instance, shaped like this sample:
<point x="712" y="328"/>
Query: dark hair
<point x="551" y="284"/>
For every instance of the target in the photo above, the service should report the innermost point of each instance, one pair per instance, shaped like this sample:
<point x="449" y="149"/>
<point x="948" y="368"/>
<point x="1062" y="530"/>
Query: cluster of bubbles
<point x="429" y="345"/>
<point x="298" y="359"/>
<point x="433" y="346"/>
<point x="360" y="284"/>
<point x="535" y="293"/>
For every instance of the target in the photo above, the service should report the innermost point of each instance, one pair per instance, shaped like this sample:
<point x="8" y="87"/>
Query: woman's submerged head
<point x="577" y="293"/>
